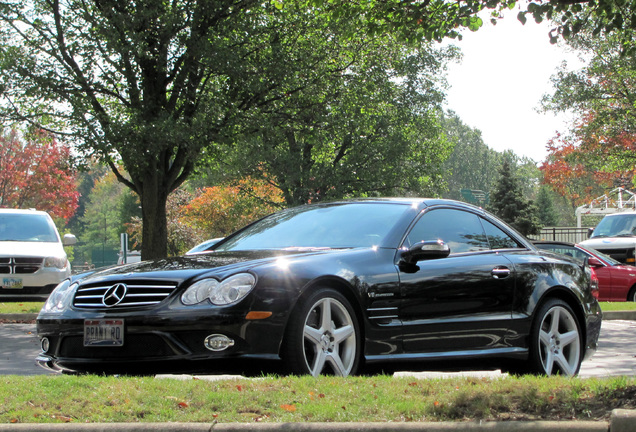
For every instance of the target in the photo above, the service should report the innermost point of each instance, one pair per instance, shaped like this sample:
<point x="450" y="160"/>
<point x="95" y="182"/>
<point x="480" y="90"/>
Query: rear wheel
<point x="323" y="336"/>
<point x="632" y="295"/>
<point x="555" y="344"/>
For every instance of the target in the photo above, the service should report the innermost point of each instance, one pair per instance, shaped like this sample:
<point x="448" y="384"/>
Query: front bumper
<point x="157" y="339"/>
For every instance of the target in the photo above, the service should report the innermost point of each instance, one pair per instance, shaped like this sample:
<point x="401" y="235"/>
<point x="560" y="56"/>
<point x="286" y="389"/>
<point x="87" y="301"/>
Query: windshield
<point x="328" y="226"/>
<point x="27" y="228"/>
<point x="623" y="225"/>
<point x="611" y="261"/>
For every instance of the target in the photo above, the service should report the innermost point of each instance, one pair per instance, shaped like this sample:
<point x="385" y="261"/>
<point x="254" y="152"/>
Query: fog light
<point x="218" y="342"/>
<point x="45" y="344"/>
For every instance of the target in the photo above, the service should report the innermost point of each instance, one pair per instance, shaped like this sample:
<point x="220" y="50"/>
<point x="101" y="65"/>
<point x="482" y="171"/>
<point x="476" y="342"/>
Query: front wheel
<point x="555" y="344"/>
<point x="323" y="336"/>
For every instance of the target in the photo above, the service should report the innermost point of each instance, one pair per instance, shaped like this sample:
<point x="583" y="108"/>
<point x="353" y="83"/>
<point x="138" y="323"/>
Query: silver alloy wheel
<point x="329" y="338"/>
<point x="559" y="342"/>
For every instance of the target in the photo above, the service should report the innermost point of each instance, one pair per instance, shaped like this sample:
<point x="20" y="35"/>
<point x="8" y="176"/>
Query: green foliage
<point x="101" y="223"/>
<point x="370" y="128"/>
<point x="507" y="202"/>
<point x="472" y="164"/>
<point x="547" y="213"/>
<point x="156" y="85"/>
<point x="150" y="87"/>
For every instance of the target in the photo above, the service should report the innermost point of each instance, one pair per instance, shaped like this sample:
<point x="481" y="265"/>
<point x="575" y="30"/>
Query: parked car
<point x="329" y="287"/>
<point x="32" y="256"/>
<point x="615" y="235"/>
<point x="617" y="282"/>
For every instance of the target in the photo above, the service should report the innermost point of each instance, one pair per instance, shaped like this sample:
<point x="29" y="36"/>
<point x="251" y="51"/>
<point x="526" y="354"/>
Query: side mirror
<point x="69" y="240"/>
<point x="594" y="262"/>
<point x="589" y="232"/>
<point x="431" y="249"/>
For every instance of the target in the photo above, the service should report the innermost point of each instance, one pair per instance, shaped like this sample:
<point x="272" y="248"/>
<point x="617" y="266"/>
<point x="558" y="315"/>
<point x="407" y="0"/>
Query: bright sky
<point x="498" y="86"/>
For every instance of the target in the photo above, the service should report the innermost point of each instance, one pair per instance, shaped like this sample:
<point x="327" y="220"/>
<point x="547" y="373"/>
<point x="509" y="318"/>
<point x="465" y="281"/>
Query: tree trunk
<point x="154" y="197"/>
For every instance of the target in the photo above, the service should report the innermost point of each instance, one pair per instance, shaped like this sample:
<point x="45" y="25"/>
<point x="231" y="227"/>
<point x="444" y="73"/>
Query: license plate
<point x="107" y="333"/>
<point x="12" y="283"/>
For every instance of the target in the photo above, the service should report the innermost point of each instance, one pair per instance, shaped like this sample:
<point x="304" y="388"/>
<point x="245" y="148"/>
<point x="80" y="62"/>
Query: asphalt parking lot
<point x="616" y="354"/>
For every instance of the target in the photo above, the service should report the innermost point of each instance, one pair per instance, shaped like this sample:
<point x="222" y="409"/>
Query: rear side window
<point x="497" y="238"/>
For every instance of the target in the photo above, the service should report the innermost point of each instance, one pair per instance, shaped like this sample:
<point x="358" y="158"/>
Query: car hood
<point x="31" y="249"/>
<point x="182" y="268"/>
<point x="609" y="242"/>
<point x="626" y="268"/>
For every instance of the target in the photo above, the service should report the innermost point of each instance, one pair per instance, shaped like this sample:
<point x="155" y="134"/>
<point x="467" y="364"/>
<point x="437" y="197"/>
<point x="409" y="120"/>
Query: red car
<point x="617" y="281"/>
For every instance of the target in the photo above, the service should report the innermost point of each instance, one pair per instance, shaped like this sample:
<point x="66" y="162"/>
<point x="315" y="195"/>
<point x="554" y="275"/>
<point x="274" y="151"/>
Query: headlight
<point x="60" y="298"/>
<point x="57" y="262"/>
<point x="231" y="290"/>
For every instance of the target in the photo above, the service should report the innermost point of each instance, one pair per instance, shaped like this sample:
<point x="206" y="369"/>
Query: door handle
<point x="500" y="272"/>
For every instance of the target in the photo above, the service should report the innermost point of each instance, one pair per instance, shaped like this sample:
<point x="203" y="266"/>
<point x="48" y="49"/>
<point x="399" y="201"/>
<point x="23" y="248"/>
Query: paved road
<point x="616" y="355"/>
<point x="617" y="351"/>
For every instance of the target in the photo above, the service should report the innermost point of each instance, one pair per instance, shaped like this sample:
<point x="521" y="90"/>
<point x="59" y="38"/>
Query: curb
<point x="19" y="317"/>
<point x="512" y="426"/>
<point x="620" y="315"/>
<point x="620" y="421"/>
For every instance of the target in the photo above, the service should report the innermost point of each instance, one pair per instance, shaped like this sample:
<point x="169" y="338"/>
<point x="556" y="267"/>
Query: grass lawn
<point x="380" y="398"/>
<point x="20" y="307"/>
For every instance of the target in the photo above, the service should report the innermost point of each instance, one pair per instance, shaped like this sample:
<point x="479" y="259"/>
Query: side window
<point x="497" y="238"/>
<point x="461" y="230"/>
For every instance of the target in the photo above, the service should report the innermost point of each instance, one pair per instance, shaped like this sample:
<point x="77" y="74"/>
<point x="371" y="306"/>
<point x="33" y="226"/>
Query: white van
<point x="32" y="256"/>
<point x="615" y="235"/>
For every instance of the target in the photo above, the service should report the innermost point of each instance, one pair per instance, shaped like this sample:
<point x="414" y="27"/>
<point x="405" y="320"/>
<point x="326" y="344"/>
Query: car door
<point x="462" y="302"/>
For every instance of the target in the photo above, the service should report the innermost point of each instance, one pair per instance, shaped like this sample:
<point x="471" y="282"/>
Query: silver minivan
<point x="32" y="256"/>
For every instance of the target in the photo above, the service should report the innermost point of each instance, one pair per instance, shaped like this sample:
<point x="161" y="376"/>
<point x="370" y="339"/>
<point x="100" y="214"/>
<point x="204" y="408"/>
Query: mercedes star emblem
<point x="114" y="295"/>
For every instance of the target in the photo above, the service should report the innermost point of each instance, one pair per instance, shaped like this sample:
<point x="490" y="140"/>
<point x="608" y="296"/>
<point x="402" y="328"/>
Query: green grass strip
<point x="382" y="398"/>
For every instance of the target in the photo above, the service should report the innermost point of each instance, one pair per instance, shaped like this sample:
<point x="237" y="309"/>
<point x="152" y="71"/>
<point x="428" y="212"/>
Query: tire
<point x="631" y="297"/>
<point x="555" y="340"/>
<point x="323" y="336"/>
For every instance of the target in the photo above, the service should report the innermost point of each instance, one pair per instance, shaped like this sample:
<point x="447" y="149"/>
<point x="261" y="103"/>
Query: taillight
<point x="594" y="282"/>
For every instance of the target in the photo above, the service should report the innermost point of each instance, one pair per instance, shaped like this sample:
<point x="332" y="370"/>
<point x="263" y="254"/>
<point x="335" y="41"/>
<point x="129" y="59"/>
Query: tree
<point x="507" y="202"/>
<point x="101" y="223"/>
<point x="35" y="172"/>
<point x="472" y="164"/>
<point x="374" y="130"/>
<point x="574" y="169"/>
<point x="598" y="152"/>
<point x="547" y="212"/>
<point x="148" y="86"/>
<point x="220" y="210"/>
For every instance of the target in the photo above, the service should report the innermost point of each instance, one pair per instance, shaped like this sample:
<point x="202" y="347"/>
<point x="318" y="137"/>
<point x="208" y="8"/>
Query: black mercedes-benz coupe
<point x="329" y="287"/>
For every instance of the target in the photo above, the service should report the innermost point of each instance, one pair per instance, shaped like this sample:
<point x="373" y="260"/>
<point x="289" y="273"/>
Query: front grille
<point x="20" y="265"/>
<point x="138" y="294"/>
<point x="622" y="254"/>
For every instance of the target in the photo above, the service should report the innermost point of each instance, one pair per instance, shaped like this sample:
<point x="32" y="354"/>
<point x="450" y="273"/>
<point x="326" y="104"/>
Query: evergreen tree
<point x="547" y="212"/>
<point x="507" y="202"/>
